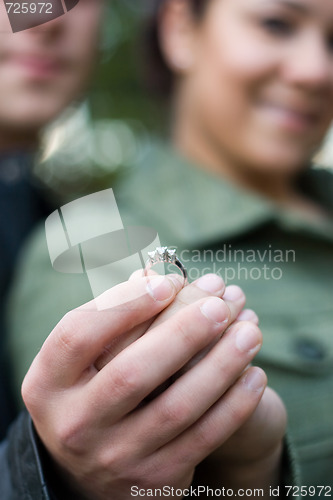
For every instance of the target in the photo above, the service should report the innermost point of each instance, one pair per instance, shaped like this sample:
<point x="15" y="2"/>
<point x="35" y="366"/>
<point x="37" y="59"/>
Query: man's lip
<point x="42" y="64"/>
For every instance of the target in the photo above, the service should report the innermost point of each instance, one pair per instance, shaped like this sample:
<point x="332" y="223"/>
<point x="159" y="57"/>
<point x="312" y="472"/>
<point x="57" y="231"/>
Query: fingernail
<point x="233" y="293"/>
<point x="248" y="315"/>
<point x="160" y="288"/>
<point x="255" y="380"/>
<point x="210" y="283"/>
<point x="247" y="338"/>
<point x="215" y="310"/>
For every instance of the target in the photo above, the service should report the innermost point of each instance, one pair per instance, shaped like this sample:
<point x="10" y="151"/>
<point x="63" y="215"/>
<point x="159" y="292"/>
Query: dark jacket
<point x="22" y="476"/>
<point x="26" y="470"/>
<point x="21" y="208"/>
<point x="21" y="454"/>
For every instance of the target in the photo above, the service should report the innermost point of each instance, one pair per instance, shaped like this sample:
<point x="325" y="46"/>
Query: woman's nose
<point x="310" y="64"/>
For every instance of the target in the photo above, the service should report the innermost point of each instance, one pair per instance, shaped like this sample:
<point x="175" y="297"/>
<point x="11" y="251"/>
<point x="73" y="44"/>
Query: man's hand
<point x="94" y="418"/>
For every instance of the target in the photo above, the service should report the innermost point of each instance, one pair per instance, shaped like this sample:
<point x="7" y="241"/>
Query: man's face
<point x="43" y="69"/>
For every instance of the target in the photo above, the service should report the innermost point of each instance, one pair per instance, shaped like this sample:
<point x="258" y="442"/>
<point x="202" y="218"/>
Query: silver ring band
<point x="165" y="255"/>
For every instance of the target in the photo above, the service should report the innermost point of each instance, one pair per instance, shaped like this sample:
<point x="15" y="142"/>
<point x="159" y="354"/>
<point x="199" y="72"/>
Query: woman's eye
<point x="277" y="26"/>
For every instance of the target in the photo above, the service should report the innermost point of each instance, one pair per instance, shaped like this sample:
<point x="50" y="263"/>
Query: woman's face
<point x="258" y="79"/>
<point x="44" y="68"/>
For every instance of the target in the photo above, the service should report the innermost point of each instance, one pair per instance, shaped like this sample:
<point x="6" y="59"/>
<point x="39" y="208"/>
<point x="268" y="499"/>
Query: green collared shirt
<point x="283" y="261"/>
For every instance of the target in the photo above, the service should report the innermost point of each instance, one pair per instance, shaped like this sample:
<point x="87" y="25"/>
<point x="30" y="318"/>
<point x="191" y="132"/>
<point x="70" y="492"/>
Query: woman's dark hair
<point x="158" y="76"/>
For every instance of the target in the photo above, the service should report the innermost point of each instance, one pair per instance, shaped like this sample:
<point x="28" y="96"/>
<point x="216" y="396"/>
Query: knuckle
<point x="185" y="330"/>
<point x="67" y="335"/>
<point x="32" y="393"/>
<point x="206" y="437"/>
<point x="155" y="471"/>
<point x="173" y="414"/>
<point x="127" y="379"/>
<point x="28" y="392"/>
<point x="120" y="461"/>
<point x="109" y="459"/>
<point x="72" y="434"/>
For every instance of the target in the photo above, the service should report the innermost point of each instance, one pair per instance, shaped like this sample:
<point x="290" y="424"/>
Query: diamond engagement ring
<point x="165" y="255"/>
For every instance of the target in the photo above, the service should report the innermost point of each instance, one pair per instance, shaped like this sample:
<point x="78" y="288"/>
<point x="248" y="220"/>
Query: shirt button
<point x="310" y="349"/>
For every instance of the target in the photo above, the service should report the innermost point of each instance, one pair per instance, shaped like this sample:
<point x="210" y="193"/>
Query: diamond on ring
<point x="165" y="255"/>
<point x="162" y="254"/>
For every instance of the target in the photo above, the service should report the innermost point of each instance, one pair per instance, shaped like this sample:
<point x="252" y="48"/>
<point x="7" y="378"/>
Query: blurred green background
<point x="118" y="89"/>
<point x="89" y="146"/>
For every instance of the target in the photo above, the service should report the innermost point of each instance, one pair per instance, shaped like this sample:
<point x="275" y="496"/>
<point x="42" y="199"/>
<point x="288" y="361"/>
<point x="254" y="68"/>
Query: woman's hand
<point x="95" y="420"/>
<point x="251" y="457"/>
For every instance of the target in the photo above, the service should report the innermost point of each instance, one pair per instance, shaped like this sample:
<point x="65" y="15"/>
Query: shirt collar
<point x="201" y="208"/>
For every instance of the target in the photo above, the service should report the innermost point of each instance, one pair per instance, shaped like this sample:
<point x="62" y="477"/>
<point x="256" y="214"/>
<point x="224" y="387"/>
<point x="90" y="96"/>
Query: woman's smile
<point x="291" y="118"/>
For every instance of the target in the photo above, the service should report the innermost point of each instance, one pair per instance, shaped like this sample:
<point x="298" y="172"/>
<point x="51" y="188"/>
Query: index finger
<point x="81" y="335"/>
